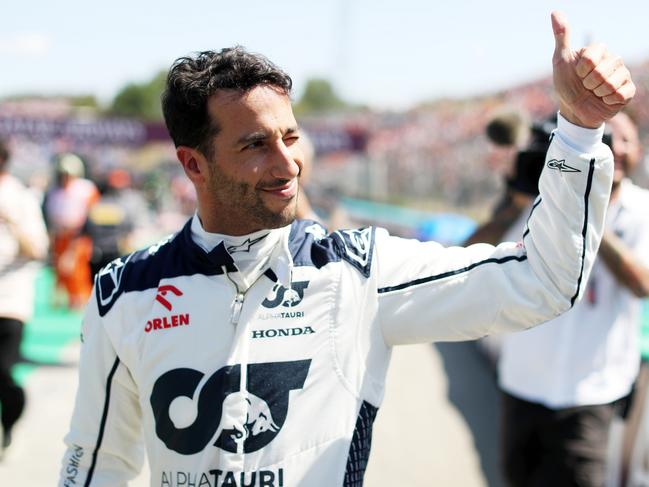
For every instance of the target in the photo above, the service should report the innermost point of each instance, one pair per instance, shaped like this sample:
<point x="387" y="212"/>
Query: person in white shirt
<point x="23" y="241"/>
<point x="561" y="380"/>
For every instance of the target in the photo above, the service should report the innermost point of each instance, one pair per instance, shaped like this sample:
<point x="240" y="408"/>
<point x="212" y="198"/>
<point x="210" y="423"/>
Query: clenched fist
<point x="592" y="84"/>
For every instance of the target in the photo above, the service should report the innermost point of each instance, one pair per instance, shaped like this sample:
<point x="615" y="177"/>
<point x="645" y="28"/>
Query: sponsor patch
<point x="357" y="247"/>
<point x="288" y="298"/>
<point x="560" y="165"/>
<point x="282" y="332"/>
<point x="191" y="411"/>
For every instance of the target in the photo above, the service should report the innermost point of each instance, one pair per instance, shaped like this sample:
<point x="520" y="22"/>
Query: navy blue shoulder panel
<point x="310" y="245"/>
<point x="175" y="256"/>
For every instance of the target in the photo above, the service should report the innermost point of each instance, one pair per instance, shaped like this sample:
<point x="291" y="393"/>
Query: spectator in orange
<point x="66" y="208"/>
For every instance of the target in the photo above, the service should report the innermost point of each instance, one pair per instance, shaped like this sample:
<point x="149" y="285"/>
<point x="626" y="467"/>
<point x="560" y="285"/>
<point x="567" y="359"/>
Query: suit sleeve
<point x="430" y="293"/>
<point x="104" y="443"/>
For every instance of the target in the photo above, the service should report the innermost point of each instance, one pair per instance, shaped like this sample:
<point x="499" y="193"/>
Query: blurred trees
<point x="140" y="100"/>
<point x="84" y="101"/>
<point x="319" y="97"/>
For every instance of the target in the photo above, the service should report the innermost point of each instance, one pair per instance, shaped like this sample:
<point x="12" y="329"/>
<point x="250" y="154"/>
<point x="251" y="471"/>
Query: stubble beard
<point x="250" y="209"/>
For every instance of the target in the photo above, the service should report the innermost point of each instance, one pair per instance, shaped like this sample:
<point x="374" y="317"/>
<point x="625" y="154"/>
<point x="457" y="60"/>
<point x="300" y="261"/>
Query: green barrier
<point x="644" y="330"/>
<point x="49" y="331"/>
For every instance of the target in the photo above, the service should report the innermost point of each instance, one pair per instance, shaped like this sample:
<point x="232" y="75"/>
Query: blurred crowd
<point x="94" y="213"/>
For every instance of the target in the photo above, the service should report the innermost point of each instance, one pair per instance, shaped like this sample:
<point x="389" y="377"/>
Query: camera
<point x="530" y="160"/>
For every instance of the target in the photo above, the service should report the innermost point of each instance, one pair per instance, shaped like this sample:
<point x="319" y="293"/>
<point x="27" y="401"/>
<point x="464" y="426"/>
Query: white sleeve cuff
<point x="581" y="139"/>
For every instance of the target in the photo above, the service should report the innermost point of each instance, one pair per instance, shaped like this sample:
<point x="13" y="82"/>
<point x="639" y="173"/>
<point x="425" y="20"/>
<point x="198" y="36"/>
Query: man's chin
<point x="279" y="218"/>
<point x="288" y="216"/>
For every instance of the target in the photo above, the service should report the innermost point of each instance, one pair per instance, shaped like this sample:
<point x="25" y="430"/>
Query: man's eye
<point x="254" y="145"/>
<point x="292" y="139"/>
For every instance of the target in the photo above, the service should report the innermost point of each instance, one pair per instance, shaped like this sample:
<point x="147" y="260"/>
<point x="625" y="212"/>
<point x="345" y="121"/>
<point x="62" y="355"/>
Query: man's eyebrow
<point x="261" y="136"/>
<point x="253" y="137"/>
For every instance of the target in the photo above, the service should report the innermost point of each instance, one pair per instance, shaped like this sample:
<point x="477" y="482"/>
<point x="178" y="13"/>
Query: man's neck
<point x="251" y="252"/>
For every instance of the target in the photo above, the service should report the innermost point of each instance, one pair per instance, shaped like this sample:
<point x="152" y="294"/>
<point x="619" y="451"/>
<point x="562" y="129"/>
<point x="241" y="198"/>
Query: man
<point x="66" y="207"/>
<point x="252" y="349"/>
<point x="110" y="222"/>
<point x="304" y="210"/>
<point x="23" y="239"/>
<point x="562" y="380"/>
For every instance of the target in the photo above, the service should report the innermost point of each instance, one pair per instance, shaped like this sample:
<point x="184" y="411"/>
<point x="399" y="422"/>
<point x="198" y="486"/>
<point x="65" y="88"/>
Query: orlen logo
<point x="167" y="321"/>
<point x="162" y="292"/>
<point x="286" y="297"/>
<point x="192" y="410"/>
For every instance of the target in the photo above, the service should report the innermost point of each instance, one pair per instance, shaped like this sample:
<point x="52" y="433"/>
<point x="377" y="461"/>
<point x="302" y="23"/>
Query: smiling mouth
<point x="285" y="190"/>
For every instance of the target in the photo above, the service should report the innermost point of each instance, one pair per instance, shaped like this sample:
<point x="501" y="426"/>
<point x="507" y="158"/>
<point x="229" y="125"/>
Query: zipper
<point x="237" y="303"/>
<point x="237" y="306"/>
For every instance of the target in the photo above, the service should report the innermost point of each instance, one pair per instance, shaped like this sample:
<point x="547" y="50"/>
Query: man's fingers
<point x="602" y="72"/>
<point x="622" y="95"/>
<point x="589" y="58"/>
<point x="592" y="84"/>
<point x="612" y="83"/>
<point x="561" y="35"/>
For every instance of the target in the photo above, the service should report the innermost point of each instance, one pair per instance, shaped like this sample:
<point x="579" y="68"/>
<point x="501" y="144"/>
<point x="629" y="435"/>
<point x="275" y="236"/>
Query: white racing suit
<point x="279" y="386"/>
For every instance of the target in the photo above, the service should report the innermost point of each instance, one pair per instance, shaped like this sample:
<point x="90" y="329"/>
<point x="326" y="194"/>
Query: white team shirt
<point x="279" y="386"/>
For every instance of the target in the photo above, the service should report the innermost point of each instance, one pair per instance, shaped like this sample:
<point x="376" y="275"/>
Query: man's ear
<point x="193" y="163"/>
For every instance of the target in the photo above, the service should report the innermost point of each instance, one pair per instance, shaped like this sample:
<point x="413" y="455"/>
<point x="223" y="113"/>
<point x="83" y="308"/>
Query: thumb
<point x="561" y="34"/>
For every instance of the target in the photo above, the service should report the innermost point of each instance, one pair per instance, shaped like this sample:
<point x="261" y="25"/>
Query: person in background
<point x="564" y="381"/>
<point x="529" y="143"/>
<point x="633" y="459"/>
<point x="66" y="206"/>
<point x="304" y="209"/>
<point x="111" y="221"/>
<point x="336" y="216"/>
<point x="23" y="242"/>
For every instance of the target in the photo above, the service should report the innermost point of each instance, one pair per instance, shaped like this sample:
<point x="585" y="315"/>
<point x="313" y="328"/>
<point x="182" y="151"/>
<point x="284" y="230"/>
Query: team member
<point x="561" y="381"/>
<point x="251" y="348"/>
<point x="23" y="240"/>
<point x="66" y="207"/>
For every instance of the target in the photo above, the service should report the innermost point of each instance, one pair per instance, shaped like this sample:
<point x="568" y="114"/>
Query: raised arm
<point x="429" y="293"/>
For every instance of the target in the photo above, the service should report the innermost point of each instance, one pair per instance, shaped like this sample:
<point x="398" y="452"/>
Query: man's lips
<point x="286" y="190"/>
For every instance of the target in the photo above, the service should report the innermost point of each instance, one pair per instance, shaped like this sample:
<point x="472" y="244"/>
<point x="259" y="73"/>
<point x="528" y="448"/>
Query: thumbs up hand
<point x="592" y="84"/>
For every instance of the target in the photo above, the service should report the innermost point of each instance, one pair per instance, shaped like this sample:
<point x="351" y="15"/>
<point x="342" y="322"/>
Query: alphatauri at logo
<point x="286" y="297"/>
<point x="192" y="411"/>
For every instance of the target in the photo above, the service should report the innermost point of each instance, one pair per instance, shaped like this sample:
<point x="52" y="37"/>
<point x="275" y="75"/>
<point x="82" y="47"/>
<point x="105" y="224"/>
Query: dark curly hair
<point x="193" y="80"/>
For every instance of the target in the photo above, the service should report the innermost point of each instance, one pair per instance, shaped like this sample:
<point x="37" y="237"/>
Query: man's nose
<point x="286" y="162"/>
